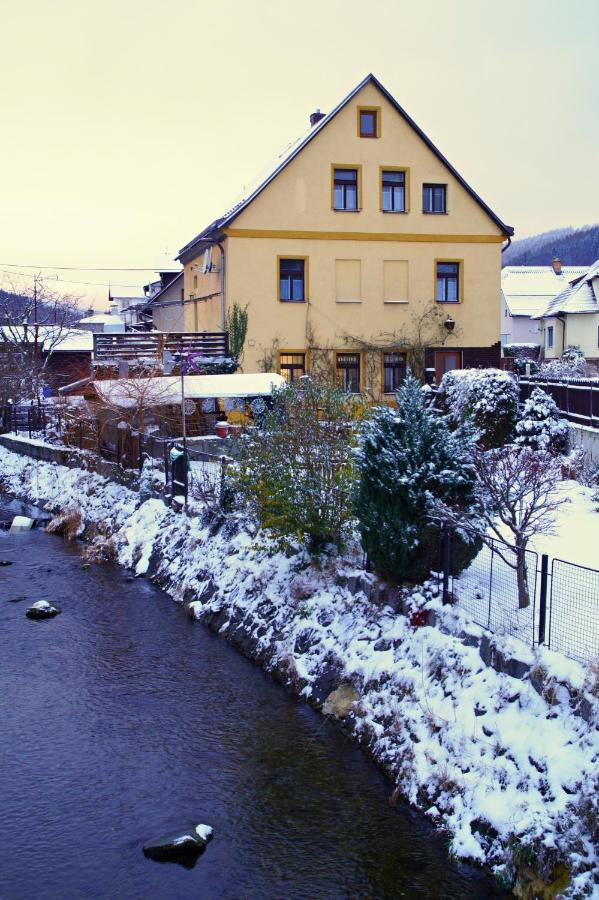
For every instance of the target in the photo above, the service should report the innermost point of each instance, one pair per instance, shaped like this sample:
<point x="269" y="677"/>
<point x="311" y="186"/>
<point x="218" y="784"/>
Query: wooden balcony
<point x="150" y="345"/>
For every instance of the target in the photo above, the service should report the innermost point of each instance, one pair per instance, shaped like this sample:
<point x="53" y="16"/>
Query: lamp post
<point x="183" y="371"/>
<point x="169" y="360"/>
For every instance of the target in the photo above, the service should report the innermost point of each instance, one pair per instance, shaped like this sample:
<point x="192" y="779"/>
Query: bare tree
<point x="134" y="400"/>
<point x="34" y="321"/>
<point x="515" y="499"/>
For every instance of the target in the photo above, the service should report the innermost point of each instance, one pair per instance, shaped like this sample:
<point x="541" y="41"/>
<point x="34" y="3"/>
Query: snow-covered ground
<point x="573" y="592"/>
<point x="511" y="775"/>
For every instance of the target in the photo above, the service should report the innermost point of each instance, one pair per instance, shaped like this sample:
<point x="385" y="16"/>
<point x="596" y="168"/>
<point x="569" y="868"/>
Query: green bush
<point x="295" y="470"/>
<point x="407" y="459"/>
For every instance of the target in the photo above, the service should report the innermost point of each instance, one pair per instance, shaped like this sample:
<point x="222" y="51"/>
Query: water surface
<point x="121" y="719"/>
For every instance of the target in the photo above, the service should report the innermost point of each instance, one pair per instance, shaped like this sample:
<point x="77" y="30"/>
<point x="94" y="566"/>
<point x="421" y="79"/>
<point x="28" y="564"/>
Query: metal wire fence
<point x="574" y="611"/>
<point x="521" y="595"/>
<point x="499" y="590"/>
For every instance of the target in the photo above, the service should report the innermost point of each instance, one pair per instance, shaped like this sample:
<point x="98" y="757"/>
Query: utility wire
<point x="84" y="268"/>
<point x="71" y="280"/>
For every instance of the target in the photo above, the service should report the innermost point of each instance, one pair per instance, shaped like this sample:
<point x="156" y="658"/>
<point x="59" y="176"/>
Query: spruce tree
<point x="407" y="458"/>
<point x="540" y="426"/>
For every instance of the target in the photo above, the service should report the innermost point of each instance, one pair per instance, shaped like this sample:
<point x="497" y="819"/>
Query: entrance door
<point x="445" y="361"/>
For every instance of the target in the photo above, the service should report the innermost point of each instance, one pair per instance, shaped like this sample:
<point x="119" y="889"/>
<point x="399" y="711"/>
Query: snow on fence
<point x="563" y="608"/>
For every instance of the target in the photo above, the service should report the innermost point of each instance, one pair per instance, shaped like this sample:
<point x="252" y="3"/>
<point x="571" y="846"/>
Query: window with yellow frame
<point x="369" y="121"/>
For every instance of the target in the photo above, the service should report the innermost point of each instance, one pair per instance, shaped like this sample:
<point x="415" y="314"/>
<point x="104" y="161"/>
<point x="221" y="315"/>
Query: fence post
<point x="490" y="584"/>
<point x="29" y="421"/>
<point x="543" y="598"/>
<point x="446" y="550"/>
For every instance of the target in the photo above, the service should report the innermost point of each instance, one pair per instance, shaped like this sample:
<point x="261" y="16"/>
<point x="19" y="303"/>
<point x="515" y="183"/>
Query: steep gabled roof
<point x="162" y="290"/>
<point x="213" y="231"/>
<point x="528" y="289"/>
<point x="578" y="297"/>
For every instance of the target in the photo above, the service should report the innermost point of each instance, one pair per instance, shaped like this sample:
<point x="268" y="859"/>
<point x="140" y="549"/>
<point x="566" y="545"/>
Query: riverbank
<point x="508" y="773"/>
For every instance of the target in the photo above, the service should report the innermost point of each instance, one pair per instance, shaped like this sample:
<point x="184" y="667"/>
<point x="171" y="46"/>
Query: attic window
<point x="369" y="123"/>
<point x="434" y="198"/>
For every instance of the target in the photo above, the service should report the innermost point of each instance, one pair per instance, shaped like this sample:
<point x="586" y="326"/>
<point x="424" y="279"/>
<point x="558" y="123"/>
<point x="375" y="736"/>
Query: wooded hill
<point x="574" y="246"/>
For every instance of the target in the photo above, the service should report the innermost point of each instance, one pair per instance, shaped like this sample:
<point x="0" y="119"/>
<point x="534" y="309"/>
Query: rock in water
<point x="42" y="610"/>
<point x="339" y="703"/>
<point x="184" y="848"/>
<point x="21" y="523"/>
<point x="5" y="562"/>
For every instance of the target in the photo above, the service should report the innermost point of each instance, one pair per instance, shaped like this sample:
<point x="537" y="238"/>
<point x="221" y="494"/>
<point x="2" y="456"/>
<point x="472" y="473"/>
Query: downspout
<point x="562" y="318"/>
<point x="509" y="243"/>
<point x="222" y="285"/>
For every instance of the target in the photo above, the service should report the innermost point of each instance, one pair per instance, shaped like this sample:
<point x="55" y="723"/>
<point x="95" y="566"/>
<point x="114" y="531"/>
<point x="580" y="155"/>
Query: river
<point x="122" y="719"/>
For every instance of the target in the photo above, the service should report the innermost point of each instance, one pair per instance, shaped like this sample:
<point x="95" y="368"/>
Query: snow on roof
<point x="577" y="297"/>
<point x="102" y="319"/>
<point x="76" y="341"/>
<point x="69" y="340"/>
<point x="528" y="289"/>
<point x="165" y="390"/>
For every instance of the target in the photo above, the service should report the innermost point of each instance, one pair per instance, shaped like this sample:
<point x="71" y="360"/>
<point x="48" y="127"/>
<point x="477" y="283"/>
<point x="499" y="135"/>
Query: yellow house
<point x="363" y="249"/>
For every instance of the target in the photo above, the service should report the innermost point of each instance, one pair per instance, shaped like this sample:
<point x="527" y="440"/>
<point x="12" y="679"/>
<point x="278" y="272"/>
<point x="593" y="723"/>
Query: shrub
<point x="295" y="471"/>
<point x="571" y="364"/>
<point x="407" y="458"/>
<point x="520" y="363"/>
<point x="540" y="426"/>
<point x="486" y="397"/>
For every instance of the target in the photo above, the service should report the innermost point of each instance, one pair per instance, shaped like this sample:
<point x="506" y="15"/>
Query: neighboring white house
<point x="525" y="293"/>
<point x="572" y="317"/>
<point x="128" y="308"/>
<point x="103" y="323"/>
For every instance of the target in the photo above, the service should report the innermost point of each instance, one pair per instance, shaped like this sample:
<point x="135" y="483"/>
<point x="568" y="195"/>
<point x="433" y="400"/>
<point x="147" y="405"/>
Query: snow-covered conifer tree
<point x="540" y="426"/>
<point x="407" y="458"/>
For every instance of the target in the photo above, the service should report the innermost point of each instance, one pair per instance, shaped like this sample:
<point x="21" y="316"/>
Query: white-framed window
<point x="549" y="336"/>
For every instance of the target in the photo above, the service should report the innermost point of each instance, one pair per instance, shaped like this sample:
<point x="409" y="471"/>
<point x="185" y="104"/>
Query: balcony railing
<point x="151" y="345"/>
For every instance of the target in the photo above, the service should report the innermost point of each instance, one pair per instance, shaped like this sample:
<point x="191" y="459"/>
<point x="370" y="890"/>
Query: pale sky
<point x="128" y="125"/>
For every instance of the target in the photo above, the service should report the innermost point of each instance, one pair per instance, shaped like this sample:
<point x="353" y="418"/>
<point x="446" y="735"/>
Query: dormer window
<point x="369" y="122"/>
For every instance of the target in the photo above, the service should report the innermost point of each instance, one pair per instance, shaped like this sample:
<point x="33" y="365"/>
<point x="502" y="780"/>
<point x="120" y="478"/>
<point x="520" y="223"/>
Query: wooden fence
<point x="577" y="398"/>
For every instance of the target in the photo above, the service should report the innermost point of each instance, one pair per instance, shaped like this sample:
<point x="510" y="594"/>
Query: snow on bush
<point x="486" y="397"/>
<point x="571" y="364"/>
<point x="408" y="458"/>
<point x="540" y="426"/>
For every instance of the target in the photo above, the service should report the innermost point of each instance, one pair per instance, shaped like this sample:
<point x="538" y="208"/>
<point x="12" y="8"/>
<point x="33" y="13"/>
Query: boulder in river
<point x="184" y="847"/>
<point x="5" y="562"/>
<point x="22" y="523"/>
<point x="340" y="702"/>
<point x="41" y="609"/>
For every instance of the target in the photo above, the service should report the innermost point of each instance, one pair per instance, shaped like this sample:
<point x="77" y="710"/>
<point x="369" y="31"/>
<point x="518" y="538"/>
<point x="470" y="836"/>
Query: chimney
<point x="557" y="265"/>
<point x="316" y="117"/>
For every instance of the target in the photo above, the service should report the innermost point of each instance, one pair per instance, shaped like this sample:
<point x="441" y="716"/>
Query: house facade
<point x="525" y="293"/>
<point x="572" y="318"/>
<point x="163" y="307"/>
<point x="364" y="242"/>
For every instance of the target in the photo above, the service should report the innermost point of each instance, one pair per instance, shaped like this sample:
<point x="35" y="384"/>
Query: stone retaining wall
<point x="72" y="458"/>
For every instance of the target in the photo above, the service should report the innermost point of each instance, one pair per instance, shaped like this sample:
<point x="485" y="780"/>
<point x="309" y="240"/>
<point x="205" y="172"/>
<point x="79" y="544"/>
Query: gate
<point x="574" y="611"/>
